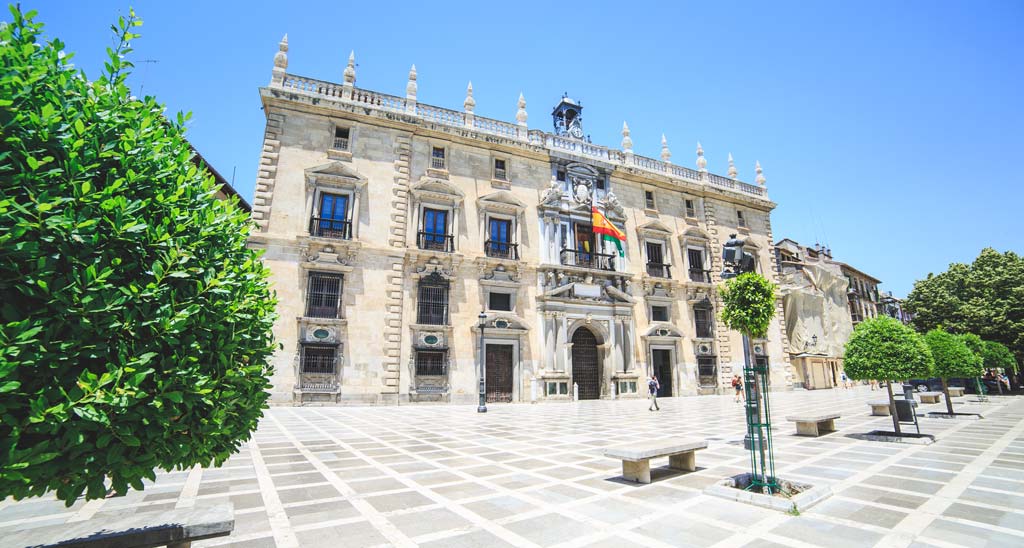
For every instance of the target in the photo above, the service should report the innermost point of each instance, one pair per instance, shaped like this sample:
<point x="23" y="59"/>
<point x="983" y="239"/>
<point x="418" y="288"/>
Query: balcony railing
<point x="501" y="250"/>
<point x="435" y="241"/>
<point x="437" y="163"/>
<point x="586" y="259"/>
<point x="700" y="276"/>
<point x="659" y="270"/>
<point x="330" y="228"/>
<point x="341" y="143"/>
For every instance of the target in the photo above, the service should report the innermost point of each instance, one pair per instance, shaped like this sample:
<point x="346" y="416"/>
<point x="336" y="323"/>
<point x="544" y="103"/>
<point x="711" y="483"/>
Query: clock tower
<point x="568" y="118"/>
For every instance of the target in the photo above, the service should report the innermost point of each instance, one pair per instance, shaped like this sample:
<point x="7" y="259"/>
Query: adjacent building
<point x="408" y="241"/>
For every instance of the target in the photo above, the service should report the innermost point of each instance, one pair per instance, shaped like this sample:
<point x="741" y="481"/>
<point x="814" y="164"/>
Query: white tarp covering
<point x="815" y="303"/>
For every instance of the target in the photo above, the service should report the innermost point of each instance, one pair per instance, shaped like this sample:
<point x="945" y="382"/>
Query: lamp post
<point x="758" y="411"/>
<point x="482" y="407"/>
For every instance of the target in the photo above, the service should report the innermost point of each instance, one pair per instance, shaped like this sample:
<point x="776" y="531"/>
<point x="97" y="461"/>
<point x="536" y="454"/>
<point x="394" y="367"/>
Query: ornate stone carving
<point x="611" y="204"/>
<point x="760" y="173"/>
<point x="553" y="195"/>
<point x="733" y="174"/>
<point x="581" y="190"/>
<point x="470" y="102"/>
<point x="350" y="70"/>
<point x="627" y="143"/>
<point x="666" y="154"/>
<point x="411" y="87"/>
<point x="702" y="163"/>
<point x="521" y="113"/>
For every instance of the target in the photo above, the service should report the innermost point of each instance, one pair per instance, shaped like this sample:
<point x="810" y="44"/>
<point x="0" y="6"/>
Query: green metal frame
<point x="759" y="425"/>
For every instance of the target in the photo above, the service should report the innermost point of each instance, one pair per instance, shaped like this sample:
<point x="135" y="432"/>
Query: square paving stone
<point x="855" y="511"/>
<point x="398" y="501"/>
<point x="376" y="485"/>
<point x="477" y="538"/>
<point x="298" y="479"/>
<point x="683" y="530"/>
<point x="414" y="524"/>
<point x="984" y="515"/>
<point x="302" y="494"/>
<point x="960" y="534"/>
<point x="464" y="490"/>
<point x="823" y="533"/>
<point x="499" y="507"/>
<point x="319" y="512"/>
<point x="349" y="535"/>
<point x="549" y="529"/>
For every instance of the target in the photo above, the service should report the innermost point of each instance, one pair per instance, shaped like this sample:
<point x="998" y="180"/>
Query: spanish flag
<point x="608" y="232"/>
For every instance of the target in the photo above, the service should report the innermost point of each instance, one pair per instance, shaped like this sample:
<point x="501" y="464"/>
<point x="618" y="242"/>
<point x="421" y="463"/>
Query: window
<point x="318" y="358"/>
<point x="656" y="265"/>
<point x="659" y="313"/>
<point x="702" y="319"/>
<point x="435" y="230"/>
<point x="499" y="235"/>
<point x="690" y="210"/>
<point x="340" y="138"/>
<point x="707" y="374"/>
<point x="499" y="301"/>
<point x="740" y="220"/>
<point x="697" y="273"/>
<point x="560" y="175"/>
<point x="432" y="304"/>
<point x="599" y="183"/>
<point x="649" y="199"/>
<point x="437" y="160"/>
<point x="323" y="295"/>
<point x="431" y="362"/>
<point x="499" y="170"/>
<point x="331" y="220"/>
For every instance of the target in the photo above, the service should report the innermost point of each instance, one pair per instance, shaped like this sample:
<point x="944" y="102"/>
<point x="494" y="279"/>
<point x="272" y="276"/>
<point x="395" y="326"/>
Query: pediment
<point x="437" y="189"/>
<point x="655" y="228"/>
<point x="663" y="329"/>
<point x="694" y="233"/>
<point x="502" y="200"/>
<point x="506" y="320"/>
<point x="335" y="174"/>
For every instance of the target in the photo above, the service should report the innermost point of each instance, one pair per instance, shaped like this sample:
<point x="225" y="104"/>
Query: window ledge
<point x="743" y="229"/>
<point x="439" y="173"/>
<point x="343" y="155"/>
<point x="501" y="184"/>
<point x="322" y="321"/>
<point x="651" y="212"/>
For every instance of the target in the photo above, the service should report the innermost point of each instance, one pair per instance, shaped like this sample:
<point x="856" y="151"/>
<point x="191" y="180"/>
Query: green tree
<point x="953" y="358"/>
<point x="882" y="348"/>
<point x="749" y="304"/>
<point x="996" y="356"/>
<point x="985" y="297"/>
<point x="135" y="325"/>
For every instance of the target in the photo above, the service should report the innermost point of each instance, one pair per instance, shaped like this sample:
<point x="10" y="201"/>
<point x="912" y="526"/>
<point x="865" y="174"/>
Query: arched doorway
<point x="586" y="364"/>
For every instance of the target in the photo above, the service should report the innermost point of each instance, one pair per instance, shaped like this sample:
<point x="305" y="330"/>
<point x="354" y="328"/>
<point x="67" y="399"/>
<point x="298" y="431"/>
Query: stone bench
<point x="636" y="457"/>
<point x="929" y="397"/>
<point x="814" y="425"/>
<point x="956" y="391"/>
<point x="171" y="528"/>
<point x="879" y="408"/>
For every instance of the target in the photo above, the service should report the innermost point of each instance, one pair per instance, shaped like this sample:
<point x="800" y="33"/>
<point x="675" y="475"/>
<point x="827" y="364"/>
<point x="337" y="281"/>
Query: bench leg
<point x="182" y="544"/>
<point x="807" y="429"/>
<point x="830" y="426"/>
<point x="638" y="471"/>
<point x="880" y="411"/>
<point x="683" y="461"/>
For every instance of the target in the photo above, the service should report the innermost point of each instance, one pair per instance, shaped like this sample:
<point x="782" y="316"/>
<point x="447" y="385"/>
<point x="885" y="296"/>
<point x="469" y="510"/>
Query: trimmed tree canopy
<point x="135" y="325"/>
<point x="952" y="356"/>
<point x="749" y="304"/>
<point x="882" y="348"/>
<point x="995" y="356"/>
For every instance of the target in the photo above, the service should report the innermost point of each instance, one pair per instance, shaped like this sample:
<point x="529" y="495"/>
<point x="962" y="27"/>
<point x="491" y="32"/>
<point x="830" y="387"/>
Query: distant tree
<point x="985" y="298"/>
<point x="996" y="356"/>
<point x="953" y="358"/>
<point x="882" y="348"/>
<point x="749" y="304"/>
<point x="135" y="325"/>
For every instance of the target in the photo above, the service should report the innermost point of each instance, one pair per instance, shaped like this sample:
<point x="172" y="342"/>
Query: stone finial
<point x="733" y="174"/>
<point x="350" y="70"/>
<point x="760" y="174"/>
<point x="521" y="113"/>
<point x="410" y="88"/>
<point x="666" y="154"/>
<point x="280" y="63"/>
<point x="627" y="142"/>
<point x="470" y="102"/>
<point x="281" y="57"/>
<point x="702" y="163"/>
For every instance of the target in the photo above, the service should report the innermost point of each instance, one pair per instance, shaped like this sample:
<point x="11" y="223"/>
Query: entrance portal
<point x="499" y="372"/>
<point x="586" y="365"/>
<point x="662" y="361"/>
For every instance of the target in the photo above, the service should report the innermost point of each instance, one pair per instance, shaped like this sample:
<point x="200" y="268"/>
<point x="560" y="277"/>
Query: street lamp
<point x="482" y="407"/>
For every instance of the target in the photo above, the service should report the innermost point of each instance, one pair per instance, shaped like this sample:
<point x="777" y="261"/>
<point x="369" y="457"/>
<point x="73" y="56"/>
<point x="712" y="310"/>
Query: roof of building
<point x="858" y="271"/>
<point x="225" y="186"/>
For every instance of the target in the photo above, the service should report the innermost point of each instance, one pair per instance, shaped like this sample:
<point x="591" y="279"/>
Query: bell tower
<point x="568" y="118"/>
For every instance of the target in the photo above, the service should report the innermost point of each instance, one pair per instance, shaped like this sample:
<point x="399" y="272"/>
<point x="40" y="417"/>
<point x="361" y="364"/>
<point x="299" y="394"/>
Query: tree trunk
<point x="945" y="394"/>
<point x="892" y="408"/>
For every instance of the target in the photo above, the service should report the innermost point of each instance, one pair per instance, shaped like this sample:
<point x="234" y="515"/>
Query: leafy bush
<point x="995" y="356"/>
<point x="135" y="325"/>
<point x="953" y="358"/>
<point x="882" y="348"/>
<point x="749" y="304"/>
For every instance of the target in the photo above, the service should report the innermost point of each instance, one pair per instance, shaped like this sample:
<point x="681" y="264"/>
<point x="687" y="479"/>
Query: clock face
<point x="576" y="131"/>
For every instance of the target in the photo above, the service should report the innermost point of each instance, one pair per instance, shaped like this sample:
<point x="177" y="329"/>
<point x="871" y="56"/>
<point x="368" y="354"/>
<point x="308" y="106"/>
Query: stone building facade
<point x="402" y="236"/>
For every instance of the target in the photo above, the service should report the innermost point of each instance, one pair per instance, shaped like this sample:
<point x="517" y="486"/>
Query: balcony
<point x="435" y="241"/>
<point x="659" y="270"/>
<point x="700" y="276"/>
<point x="330" y="228"/>
<point x="501" y="250"/>
<point x="341" y="143"/>
<point x="586" y="259"/>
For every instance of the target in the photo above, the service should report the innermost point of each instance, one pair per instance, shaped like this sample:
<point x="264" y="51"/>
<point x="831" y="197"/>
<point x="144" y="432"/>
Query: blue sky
<point x="889" y="130"/>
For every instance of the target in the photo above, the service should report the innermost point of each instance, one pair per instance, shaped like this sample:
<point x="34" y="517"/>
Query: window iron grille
<point x="323" y="295"/>
<point x="432" y="304"/>
<point x="319" y="359"/>
<point x="431" y="363"/>
<point x="703" y="320"/>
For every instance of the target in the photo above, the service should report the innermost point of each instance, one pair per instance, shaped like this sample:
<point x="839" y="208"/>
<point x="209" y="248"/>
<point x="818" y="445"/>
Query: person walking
<point x="845" y="379"/>
<point x="653" y="386"/>
<point x="737" y="384"/>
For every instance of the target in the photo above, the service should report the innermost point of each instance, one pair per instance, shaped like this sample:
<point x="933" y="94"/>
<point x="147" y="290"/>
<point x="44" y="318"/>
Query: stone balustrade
<point x="443" y="116"/>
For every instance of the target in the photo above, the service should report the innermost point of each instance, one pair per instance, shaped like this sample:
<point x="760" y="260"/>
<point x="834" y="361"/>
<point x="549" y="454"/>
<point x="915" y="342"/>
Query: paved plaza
<point x="534" y="475"/>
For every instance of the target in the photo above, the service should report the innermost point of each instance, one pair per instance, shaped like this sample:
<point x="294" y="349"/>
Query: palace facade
<point x="406" y="241"/>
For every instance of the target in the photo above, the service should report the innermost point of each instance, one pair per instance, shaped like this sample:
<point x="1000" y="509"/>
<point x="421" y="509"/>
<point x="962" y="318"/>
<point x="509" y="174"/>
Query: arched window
<point x="432" y="304"/>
